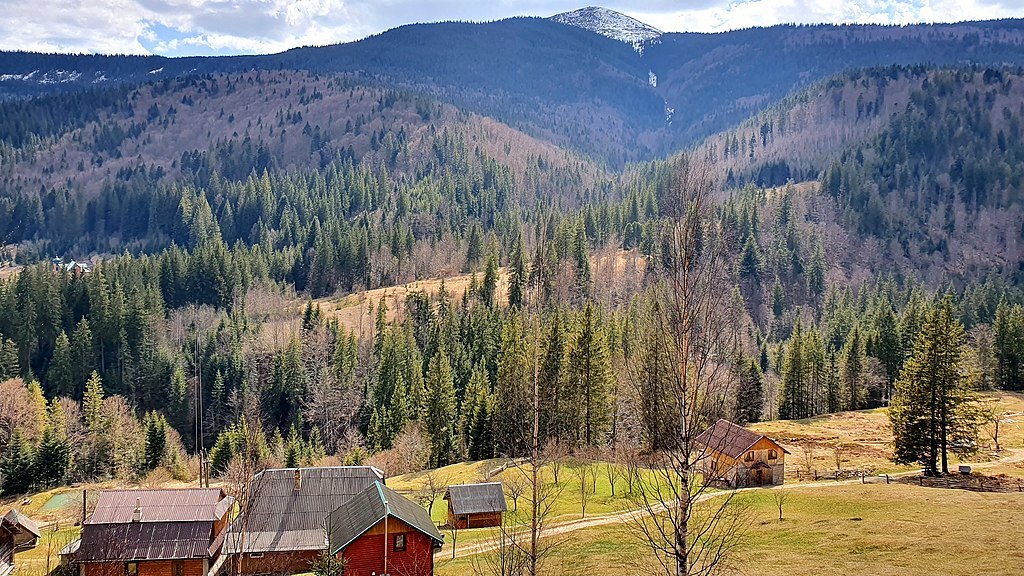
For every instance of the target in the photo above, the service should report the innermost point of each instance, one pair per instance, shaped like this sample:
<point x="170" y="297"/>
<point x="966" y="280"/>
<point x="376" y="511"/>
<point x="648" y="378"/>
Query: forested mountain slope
<point x="571" y="86"/>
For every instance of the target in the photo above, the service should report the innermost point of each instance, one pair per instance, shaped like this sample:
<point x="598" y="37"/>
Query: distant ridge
<point x="610" y="23"/>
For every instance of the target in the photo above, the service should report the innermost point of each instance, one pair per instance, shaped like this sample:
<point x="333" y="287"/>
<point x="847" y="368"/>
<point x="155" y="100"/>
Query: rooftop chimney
<point x="298" y="479"/>
<point x="137" y="514"/>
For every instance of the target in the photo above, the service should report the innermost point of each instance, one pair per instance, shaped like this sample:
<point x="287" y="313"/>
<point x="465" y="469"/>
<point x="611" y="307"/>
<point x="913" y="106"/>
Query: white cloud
<point x="177" y="27"/>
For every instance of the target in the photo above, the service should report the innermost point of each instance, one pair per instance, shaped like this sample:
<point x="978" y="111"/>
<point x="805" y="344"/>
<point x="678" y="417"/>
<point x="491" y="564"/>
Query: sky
<point x="206" y="27"/>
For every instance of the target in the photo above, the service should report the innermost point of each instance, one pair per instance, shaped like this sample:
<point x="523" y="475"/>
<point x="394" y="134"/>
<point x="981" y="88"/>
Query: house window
<point x="178" y="568"/>
<point x="131" y="569"/>
<point x="399" y="542"/>
<point x="773" y="455"/>
<point x="750" y="456"/>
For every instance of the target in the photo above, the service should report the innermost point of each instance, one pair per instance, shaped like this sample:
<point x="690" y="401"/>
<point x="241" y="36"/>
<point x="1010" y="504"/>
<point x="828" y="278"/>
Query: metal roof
<point x="729" y="439"/>
<point x="282" y="518"/>
<point x="476" y="498"/>
<point x="21" y="522"/>
<point x="145" y="541"/>
<point x="168" y="505"/>
<point x="366" y="509"/>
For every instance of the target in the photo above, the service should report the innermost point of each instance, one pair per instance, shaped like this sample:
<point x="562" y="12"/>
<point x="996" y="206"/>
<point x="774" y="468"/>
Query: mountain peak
<point x="610" y="23"/>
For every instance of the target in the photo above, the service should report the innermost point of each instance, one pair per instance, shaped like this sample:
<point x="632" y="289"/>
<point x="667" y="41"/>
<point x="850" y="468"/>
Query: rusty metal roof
<point x="168" y="505"/>
<point x="484" y="498"/>
<point x="282" y="518"/>
<point x="729" y="439"/>
<point x="366" y="509"/>
<point x="145" y="541"/>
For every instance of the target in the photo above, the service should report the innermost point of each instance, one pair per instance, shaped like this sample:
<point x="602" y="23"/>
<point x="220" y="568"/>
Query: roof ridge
<point x="383" y="498"/>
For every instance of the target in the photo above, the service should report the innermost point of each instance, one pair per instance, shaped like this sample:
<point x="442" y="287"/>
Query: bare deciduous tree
<point x="435" y="484"/>
<point x="683" y="380"/>
<point x="780" y="497"/>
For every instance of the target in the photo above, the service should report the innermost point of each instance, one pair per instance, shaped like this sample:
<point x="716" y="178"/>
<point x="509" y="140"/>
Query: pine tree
<point x="931" y="412"/>
<point x="92" y="403"/>
<point x="854" y="370"/>
<point x="793" y="403"/>
<point x="490" y="284"/>
<point x="83" y="356"/>
<point x="513" y="408"/>
<point x="750" y="394"/>
<point x="53" y="458"/>
<point x="59" y="376"/>
<point x="17" y="465"/>
<point x="438" y="412"/>
<point x="155" y="426"/>
<point x="590" y="374"/>
<point x="9" y="364"/>
<point x="517" y="276"/>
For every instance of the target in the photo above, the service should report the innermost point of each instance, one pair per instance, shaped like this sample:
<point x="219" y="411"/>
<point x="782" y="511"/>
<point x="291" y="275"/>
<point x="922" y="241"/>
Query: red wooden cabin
<point x="379" y="531"/>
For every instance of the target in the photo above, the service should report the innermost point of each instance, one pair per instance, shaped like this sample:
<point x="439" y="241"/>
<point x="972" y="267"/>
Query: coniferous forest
<point x="228" y="216"/>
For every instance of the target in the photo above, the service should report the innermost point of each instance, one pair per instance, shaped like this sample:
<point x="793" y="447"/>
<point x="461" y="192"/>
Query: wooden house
<point x="379" y="531"/>
<point x="172" y="532"/>
<point x="737" y="457"/>
<point x="281" y="528"/>
<point x="17" y="532"/>
<point x="475" y="505"/>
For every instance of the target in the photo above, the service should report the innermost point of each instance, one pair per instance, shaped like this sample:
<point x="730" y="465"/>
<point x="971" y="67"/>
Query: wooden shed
<point x="737" y="457"/>
<point x="475" y="505"/>
<point x="379" y="531"/>
<point x="17" y="532"/>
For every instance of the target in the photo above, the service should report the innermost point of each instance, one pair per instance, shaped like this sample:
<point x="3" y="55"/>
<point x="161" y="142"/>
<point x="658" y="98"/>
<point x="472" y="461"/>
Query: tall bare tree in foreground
<point x="682" y="379"/>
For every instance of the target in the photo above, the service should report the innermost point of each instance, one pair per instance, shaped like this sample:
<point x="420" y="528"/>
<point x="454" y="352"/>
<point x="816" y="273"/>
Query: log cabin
<point x="168" y="532"/>
<point x="736" y="457"/>
<point x="379" y="531"/>
<point x="475" y="505"/>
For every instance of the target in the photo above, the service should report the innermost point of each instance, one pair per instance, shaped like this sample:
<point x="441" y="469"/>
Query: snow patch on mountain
<point x="612" y="24"/>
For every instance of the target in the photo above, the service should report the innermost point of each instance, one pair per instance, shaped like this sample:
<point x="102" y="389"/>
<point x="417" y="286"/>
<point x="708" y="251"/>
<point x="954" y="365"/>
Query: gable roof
<point x="21" y="523"/>
<point x="729" y="439"/>
<point x="364" y="510"/>
<point x="476" y="498"/>
<point x="166" y="505"/>
<point x="145" y="541"/>
<point x="281" y="518"/>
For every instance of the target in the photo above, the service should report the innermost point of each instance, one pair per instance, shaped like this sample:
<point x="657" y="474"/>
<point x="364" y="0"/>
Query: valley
<point x="762" y="287"/>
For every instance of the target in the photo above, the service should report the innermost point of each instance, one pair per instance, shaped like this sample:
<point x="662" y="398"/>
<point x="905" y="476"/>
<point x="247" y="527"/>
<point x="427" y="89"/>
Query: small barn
<point x="379" y="531"/>
<point x="737" y="457"/>
<point x="475" y="505"/>
<point x="17" y="532"/>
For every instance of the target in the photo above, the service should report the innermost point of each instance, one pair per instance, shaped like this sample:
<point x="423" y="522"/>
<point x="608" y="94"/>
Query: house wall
<point x="465" y="521"/>
<point x="6" y="552"/>
<point x="196" y="567"/>
<point x="742" y="473"/>
<point x="288" y="562"/>
<point x="365" y="556"/>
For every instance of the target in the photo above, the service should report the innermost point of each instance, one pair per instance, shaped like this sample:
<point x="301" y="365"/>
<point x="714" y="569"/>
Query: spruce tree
<point x="793" y="396"/>
<point x="53" y="458"/>
<point x="155" y="428"/>
<point x="854" y="370"/>
<point x="438" y="412"/>
<point x="517" y="275"/>
<point x="590" y="373"/>
<point x="17" y="465"/>
<point x="931" y="411"/>
<point x="750" y="394"/>
<point x="59" y="375"/>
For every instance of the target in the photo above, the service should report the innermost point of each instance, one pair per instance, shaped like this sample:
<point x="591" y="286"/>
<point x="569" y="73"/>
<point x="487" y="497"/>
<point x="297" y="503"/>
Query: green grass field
<point x="843" y="529"/>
